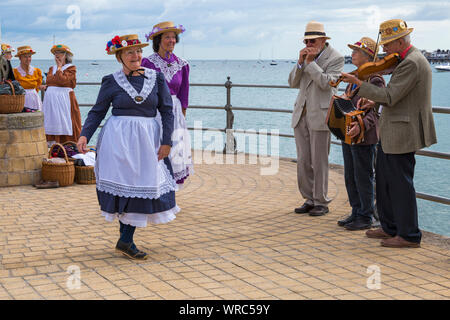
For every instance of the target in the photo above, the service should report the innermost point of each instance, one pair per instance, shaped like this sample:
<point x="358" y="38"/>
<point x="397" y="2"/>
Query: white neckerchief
<point x="23" y="73"/>
<point x="64" y="67"/>
<point x="147" y="88"/>
<point x="168" y="69"/>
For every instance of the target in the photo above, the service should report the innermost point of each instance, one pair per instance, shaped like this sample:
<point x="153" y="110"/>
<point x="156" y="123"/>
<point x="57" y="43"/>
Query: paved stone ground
<point x="235" y="238"/>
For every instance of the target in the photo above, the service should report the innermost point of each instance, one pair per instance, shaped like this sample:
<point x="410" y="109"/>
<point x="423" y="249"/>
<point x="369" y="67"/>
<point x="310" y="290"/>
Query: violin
<point x="383" y="66"/>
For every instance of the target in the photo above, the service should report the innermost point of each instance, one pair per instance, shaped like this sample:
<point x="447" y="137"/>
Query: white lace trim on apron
<point x="147" y="88"/>
<point x="169" y="69"/>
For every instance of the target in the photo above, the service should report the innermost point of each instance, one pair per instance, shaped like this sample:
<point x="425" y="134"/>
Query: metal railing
<point x="228" y="130"/>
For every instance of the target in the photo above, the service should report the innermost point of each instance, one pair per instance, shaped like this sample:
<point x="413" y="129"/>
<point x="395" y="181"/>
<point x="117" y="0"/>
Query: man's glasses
<point x="309" y="40"/>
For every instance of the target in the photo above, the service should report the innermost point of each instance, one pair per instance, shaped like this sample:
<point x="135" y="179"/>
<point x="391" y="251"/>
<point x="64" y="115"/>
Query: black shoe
<point x="349" y="219"/>
<point x="360" y="223"/>
<point x="130" y="251"/>
<point x="305" y="208"/>
<point x="318" y="211"/>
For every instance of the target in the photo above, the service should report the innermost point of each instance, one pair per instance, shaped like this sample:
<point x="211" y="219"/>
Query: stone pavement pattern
<point x="235" y="238"/>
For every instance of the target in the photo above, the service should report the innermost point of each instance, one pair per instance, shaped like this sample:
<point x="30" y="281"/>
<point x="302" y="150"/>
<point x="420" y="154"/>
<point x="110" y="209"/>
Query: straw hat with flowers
<point x="367" y="45"/>
<point x="124" y="42"/>
<point x="24" y="50"/>
<point x="61" y="47"/>
<point x="164" y="27"/>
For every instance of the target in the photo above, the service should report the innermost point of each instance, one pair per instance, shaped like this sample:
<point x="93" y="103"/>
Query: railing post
<point x="230" y="143"/>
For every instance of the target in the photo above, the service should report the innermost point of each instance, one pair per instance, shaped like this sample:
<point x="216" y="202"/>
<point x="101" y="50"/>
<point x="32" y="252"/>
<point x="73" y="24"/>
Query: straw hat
<point x="367" y="45"/>
<point x="164" y="27"/>
<point x="61" y="47"/>
<point x="391" y="30"/>
<point x="124" y="42"/>
<point x="24" y="50"/>
<point x="7" y="48"/>
<point x="315" y="30"/>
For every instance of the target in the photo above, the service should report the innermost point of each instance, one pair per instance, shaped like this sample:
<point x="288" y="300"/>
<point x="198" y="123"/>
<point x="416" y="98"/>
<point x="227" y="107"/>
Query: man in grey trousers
<point x="318" y="64"/>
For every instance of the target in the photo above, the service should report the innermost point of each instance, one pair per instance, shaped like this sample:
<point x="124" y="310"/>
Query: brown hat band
<point x="315" y="33"/>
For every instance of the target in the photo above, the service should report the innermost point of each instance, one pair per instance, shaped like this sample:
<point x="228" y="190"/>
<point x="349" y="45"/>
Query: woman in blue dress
<point x="133" y="174"/>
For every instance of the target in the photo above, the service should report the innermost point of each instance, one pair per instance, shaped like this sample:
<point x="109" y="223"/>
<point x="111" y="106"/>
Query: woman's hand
<point x="60" y="61"/>
<point x="163" y="151"/>
<point x="82" y="145"/>
<point x="42" y="87"/>
<point x="349" y="78"/>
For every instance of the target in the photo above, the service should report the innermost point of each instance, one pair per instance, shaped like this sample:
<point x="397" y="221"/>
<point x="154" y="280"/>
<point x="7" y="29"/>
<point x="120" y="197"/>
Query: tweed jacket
<point x="406" y="122"/>
<point x="315" y="93"/>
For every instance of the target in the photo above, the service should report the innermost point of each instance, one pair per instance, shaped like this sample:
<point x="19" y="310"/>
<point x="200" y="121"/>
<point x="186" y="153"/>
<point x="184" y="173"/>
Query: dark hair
<point x="157" y="41"/>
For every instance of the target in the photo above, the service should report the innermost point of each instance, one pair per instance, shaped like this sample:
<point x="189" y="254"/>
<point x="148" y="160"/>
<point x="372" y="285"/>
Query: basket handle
<point x="60" y="146"/>
<point x="12" y="87"/>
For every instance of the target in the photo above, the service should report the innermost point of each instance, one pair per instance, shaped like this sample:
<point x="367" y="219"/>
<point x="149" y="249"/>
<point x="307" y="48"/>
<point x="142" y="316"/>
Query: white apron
<point x="56" y="109"/>
<point x="127" y="159"/>
<point x="180" y="154"/>
<point x="32" y="99"/>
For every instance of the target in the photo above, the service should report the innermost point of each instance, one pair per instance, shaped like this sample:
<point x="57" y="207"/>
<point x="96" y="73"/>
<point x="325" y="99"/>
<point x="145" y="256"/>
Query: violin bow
<point x="375" y="56"/>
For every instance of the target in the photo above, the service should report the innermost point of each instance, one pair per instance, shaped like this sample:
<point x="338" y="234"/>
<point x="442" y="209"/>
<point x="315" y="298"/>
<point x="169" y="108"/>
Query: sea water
<point x="431" y="175"/>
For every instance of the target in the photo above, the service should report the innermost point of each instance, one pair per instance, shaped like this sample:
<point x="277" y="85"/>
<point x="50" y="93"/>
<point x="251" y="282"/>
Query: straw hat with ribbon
<point x="61" y="47"/>
<point x="315" y="30"/>
<point x="7" y="48"/>
<point x="124" y="42"/>
<point x="24" y="50"/>
<point x="367" y="45"/>
<point x="164" y="27"/>
<point x="391" y="30"/>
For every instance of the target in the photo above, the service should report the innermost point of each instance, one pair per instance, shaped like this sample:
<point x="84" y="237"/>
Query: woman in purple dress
<point x="176" y="72"/>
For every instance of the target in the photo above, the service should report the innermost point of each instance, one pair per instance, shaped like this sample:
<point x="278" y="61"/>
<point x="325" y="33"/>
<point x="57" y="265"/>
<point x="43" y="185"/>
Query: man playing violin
<point x="406" y="125"/>
<point x="359" y="158"/>
<point x="318" y="64"/>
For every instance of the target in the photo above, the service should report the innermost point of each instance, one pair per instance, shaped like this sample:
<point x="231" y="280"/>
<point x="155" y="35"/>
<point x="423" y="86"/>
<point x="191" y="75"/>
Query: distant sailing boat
<point x="273" y="62"/>
<point x="259" y="59"/>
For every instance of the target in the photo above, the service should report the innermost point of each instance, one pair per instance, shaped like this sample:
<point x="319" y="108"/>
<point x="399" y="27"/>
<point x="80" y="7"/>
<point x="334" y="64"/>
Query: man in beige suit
<point x="406" y="125"/>
<point x="318" y="64"/>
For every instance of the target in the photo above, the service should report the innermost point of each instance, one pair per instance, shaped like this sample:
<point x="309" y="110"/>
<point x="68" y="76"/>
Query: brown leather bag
<point x="341" y="114"/>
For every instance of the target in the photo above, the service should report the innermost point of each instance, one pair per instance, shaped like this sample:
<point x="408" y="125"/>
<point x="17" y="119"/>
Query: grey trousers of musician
<point x="313" y="148"/>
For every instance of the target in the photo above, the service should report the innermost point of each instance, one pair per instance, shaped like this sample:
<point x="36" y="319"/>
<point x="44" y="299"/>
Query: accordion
<point x="341" y="114"/>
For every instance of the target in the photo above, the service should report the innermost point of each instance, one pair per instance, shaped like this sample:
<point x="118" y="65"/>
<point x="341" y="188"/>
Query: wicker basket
<point x="64" y="173"/>
<point x="84" y="175"/>
<point x="11" y="104"/>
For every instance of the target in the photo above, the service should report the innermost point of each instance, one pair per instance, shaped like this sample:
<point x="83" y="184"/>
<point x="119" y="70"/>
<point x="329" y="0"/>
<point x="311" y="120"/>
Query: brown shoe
<point x="399" y="242"/>
<point x="377" y="234"/>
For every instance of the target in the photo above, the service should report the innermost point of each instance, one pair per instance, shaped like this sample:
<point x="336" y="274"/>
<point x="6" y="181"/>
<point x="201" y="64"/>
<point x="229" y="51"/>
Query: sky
<point x="215" y="29"/>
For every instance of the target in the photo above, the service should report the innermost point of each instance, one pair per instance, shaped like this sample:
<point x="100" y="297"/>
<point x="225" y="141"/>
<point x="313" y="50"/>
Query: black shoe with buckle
<point x="130" y="251"/>
<point x="318" y="211"/>
<point x="344" y="221"/>
<point x="305" y="208"/>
